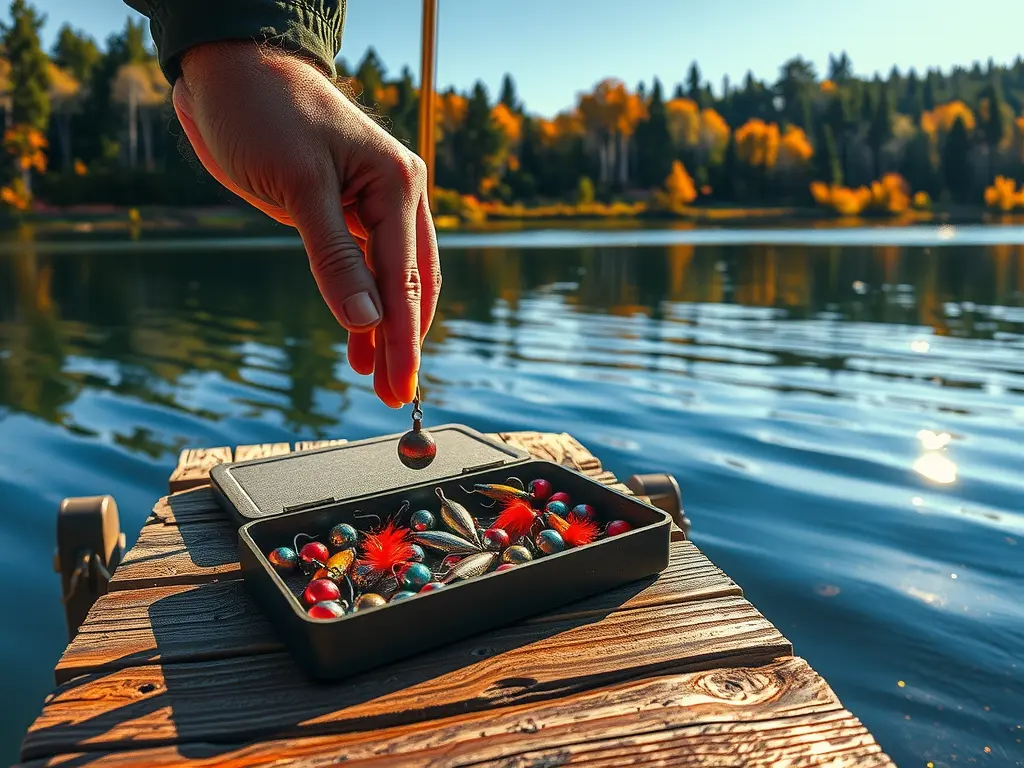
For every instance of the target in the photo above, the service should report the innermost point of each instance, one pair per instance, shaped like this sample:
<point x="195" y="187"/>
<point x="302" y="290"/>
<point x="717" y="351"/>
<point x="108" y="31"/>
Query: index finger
<point x="393" y="244"/>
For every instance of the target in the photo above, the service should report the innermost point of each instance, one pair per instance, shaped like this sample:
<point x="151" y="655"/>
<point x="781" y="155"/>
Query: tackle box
<point x="363" y="482"/>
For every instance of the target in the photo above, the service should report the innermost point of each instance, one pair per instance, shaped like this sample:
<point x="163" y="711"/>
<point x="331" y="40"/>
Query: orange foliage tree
<point x="1004" y="196"/>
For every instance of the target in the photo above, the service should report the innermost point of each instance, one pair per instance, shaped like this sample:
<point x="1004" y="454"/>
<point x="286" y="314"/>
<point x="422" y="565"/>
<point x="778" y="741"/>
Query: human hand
<point x="275" y="131"/>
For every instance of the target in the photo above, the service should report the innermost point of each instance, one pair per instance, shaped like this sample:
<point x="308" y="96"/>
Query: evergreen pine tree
<point x="76" y="52"/>
<point x="30" y="102"/>
<point x="826" y="157"/>
<point x="693" y="82"/>
<point x="477" y="140"/>
<point x="880" y="130"/>
<point x="508" y="95"/>
<point x="956" y="162"/>
<point x="654" y="142"/>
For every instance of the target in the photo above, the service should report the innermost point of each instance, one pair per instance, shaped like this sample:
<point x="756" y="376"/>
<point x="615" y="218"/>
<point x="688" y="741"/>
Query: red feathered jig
<point x="516" y="518"/>
<point x="579" y="531"/>
<point x="389" y="547"/>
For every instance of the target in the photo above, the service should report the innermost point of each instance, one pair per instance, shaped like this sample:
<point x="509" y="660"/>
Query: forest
<point x="87" y="123"/>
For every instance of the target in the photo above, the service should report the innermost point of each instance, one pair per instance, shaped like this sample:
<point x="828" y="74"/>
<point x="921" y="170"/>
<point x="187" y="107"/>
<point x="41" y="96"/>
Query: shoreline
<point x="89" y="220"/>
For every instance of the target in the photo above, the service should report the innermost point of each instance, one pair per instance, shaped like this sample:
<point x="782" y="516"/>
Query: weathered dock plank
<point x="190" y="623"/>
<point x="526" y="662"/>
<point x="714" y="701"/>
<point x="177" y="665"/>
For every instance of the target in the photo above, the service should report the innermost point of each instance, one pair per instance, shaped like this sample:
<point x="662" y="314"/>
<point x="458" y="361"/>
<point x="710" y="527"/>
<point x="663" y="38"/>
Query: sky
<point x="556" y="48"/>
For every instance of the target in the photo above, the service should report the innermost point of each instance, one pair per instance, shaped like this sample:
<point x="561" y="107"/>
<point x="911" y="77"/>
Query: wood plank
<point x="197" y="505"/>
<point x="237" y="699"/>
<point x="560" y="448"/>
<point x="264" y="451"/>
<point x="781" y="692"/>
<point x="194" y="465"/>
<point x="172" y="624"/>
<point x="179" y="554"/>
<point x="315" y="445"/>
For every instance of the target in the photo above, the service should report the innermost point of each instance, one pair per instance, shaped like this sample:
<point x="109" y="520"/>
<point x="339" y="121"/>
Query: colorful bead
<point x="556" y="507"/>
<point x="585" y="510"/>
<point x="615" y="527"/>
<point x="504" y="567"/>
<point x="402" y="595"/>
<point x="283" y="559"/>
<point x="329" y="609"/>
<point x="415" y="576"/>
<point x="422" y="520"/>
<point x="516" y="554"/>
<point x="540" y="489"/>
<point x="369" y="600"/>
<point x="319" y="591"/>
<point x="550" y="542"/>
<point x="496" y="539"/>
<point x="432" y="586"/>
<point x="314" y="551"/>
<point x="417" y="554"/>
<point x="562" y="497"/>
<point x="343" y="536"/>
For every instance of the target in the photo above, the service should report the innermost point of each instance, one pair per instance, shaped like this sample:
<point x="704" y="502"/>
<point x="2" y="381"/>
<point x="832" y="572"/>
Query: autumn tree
<point x="477" y="141"/>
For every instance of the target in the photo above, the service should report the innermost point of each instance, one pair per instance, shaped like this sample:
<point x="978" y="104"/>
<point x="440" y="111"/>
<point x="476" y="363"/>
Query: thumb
<point x="337" y="261"/>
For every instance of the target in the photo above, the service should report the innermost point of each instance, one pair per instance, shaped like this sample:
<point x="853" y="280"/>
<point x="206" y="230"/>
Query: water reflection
<point x="844" y="421"/>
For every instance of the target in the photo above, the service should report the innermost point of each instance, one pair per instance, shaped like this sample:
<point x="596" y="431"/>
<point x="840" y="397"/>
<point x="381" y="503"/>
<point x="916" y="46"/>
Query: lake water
<point x="843" y="410"/>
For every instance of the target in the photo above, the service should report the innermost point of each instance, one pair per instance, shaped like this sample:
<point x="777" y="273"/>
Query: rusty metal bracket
<point x="90" y="546"/>
<point x="663" y="491"/>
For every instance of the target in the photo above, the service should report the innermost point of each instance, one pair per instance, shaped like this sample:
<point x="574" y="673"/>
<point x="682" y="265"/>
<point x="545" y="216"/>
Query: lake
<point x="843" y="411"/>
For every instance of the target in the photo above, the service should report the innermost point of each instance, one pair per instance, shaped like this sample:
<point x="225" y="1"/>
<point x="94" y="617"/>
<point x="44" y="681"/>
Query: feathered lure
<point x="380" y="553"/>
<point x="516" y="518"/>
<point x="576" y="531"/>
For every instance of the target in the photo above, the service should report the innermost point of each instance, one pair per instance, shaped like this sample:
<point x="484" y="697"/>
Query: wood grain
<point x="784" y="691"/>
<point x="242" y="698"/>
<point x="194" y="465"/>
<point x="314" y="445"/>
<point x="191" y="623"/>
<point x="197" y="505"/>
<point x="264" y="451"/>
<point x="179" y="554"/>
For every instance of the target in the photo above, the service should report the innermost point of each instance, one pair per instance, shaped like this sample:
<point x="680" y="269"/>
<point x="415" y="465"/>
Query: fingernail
<point x="360" y="310"/>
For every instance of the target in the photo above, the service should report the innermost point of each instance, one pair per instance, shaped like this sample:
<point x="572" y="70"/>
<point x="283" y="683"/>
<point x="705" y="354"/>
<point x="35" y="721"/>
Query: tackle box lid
<point x="262" y="488"/>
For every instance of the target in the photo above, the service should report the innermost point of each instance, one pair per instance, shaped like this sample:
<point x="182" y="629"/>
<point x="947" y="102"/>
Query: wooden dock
<point x="177" y="665"/>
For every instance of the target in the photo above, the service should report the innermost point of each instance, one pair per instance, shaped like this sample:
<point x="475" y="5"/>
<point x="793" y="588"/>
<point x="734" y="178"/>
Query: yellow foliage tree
<point x="684" y="122"/>
<point x="679" y="190"/>
<point x="714" y="135"/>
<point x="889" y="195"/>
<point x="757" y="143"/>
<point x="794" y="148"/>
<point x="1004" y="196"/>
<point x="942" y="119"/>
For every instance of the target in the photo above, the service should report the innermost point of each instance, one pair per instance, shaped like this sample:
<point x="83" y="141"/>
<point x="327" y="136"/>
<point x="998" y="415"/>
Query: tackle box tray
<point x="279" y="497"/>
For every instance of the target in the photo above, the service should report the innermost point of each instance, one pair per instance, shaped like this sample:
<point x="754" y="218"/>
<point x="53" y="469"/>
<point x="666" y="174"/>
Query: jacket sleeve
<point x="309" y="27"/>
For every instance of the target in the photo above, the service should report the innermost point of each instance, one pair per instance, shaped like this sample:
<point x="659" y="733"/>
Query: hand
<point x="275" y="131"/>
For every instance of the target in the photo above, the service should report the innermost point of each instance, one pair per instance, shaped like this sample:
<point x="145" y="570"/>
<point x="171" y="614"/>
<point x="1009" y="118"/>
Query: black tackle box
<point x="274" y="499"/>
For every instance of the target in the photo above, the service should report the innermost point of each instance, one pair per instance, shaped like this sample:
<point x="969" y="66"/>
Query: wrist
<point x="230" y="57"/>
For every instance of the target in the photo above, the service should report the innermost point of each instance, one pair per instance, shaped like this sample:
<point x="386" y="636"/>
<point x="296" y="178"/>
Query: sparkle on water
<point x="842" y="409"/>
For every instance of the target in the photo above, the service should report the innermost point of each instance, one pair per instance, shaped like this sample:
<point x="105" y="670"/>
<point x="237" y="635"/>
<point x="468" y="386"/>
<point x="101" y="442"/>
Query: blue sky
<point x="555" y="48"/>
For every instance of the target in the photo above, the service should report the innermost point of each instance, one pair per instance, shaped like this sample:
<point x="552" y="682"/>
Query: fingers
<point x="361" y="352"/>
<point x="337" y="261"/>
<point x="429" y="265"/>
<point x="393" y="243"/>
<point x="381" y="379"/>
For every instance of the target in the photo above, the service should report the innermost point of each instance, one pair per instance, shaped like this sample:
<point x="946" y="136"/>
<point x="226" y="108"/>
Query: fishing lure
<point x="516" y="519"/>
<point x="576" y="531"/>
<point x="502" y="493"/>
<point x="381" y="553"/>
<point x="446" y="543"/>
<point x="474" y="565"/>
<point x="337" y="566"/>
<point x="416" y="448"/>
<point x="457" y="518"/>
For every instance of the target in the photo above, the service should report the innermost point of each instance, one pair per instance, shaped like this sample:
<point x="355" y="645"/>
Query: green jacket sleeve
<point x="309" y="27"/>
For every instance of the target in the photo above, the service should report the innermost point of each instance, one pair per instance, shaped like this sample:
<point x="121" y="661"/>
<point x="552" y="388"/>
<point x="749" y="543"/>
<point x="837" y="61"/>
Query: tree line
<point x="91" y="123"/>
